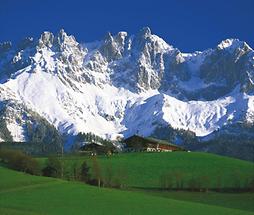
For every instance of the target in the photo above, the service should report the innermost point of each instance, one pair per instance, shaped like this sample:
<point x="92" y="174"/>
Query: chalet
<point x="94" y="148"/>
<point x="138" y="144"/>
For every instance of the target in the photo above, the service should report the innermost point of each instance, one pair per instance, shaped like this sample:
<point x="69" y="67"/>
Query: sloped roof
<point x="152" y="140"/>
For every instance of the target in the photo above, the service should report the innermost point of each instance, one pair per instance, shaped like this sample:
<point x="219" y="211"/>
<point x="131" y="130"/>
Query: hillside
<point x="60" y="197"/>
<point x="145" y="170"/>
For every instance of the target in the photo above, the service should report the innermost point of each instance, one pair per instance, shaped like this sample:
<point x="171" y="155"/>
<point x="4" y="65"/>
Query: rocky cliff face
<point x="126" y="84"/>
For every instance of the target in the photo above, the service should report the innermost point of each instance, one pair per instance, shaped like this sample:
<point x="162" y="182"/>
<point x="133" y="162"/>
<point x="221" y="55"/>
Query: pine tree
<point x="84" y="172"/>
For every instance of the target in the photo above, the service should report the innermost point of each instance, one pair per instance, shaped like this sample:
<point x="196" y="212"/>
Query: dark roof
<point x="91" y="146"/>
<point x="151" y="140"/>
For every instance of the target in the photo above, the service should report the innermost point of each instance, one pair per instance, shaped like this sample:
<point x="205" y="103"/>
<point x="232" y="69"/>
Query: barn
<point x="137" y="143"/>
<point x="94" y="148"/>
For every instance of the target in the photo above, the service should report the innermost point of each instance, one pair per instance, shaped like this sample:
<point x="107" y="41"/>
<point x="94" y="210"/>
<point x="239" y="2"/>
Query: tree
<point x="75" y="171"/>
<point x="251" y="184"/>
<point x="49" y="171"/>
<point x="195" y="183"/>
<point x="236" y="176"/>
<point x="199" y="183"/>
<point x="108" y="176"/>
<point x="219" y="181"/>
<point x="166" y="181"/>
<point x="192" y="184"/>
<point x="96" y="170"/>
<point x="179" y="179"/>
<point x="120" y="178"/>
<point x="53" y="167"/>
<point x="84" y="172"/>
<point x="205" y="182"/>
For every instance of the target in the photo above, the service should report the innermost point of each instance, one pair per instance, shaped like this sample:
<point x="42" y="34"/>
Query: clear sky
<point x="187" y="24"/>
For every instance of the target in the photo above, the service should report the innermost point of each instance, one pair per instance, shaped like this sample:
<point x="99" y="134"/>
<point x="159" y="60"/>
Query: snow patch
<point x="17" y="132"/>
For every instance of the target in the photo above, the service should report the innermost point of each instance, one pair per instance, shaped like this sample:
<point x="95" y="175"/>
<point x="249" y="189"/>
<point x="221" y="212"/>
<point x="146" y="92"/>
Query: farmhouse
<point x="94" y="148"/>
<point x="138" y="144"/>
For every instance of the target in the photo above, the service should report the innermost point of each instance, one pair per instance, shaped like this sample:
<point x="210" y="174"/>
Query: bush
<point x="19" y="161"/>
<point x="53" y="167"/>
<point x="114" y="178"/>
<point x="108" y="176"/>
<point x="49" y="171"/>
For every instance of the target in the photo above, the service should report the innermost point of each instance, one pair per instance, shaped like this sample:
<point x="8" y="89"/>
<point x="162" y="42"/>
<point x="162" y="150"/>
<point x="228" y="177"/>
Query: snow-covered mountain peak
<point x="122" y="34"/>
<point x="112" y="47"/>
<point x="46" y="40"/>
<point x="58" y="42"/>
<point x="125" y="84"/>
<point x="144" y="38"/>
<point x="145" y="32"/>
<point x="227" y="43"/>
<point x="233" y="44"/>
<point x="65" y="41"/>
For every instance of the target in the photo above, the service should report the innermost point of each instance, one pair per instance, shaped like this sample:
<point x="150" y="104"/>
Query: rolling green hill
<point x="146" y="169"/>
<point x="37" y="195"/>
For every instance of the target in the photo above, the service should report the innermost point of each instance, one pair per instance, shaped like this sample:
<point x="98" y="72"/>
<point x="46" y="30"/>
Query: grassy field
<point x="38" y="195"/>
<point x="243" y="201"/>
<point x="11" y="179"/>
<point x="145" y="169"/>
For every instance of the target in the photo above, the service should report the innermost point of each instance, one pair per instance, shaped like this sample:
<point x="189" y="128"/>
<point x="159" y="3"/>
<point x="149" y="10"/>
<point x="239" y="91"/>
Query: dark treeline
<point x="19" y="161"/>
<point x="89" y="172"/>
<point x="43" y="133"/>
<point x="37" y="131"/>
<point x="4" y="132"/>
<point x="177" y="180"/>
<point x="172" y="135"/>
<point x="90" y="137"/>
<point x="234" y="140"/>
<point x="33" y="148"/>
<point x="83" y="139"/>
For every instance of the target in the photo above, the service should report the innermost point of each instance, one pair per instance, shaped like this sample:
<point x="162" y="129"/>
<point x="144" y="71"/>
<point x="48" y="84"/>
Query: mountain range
<point x="128" y="84"/>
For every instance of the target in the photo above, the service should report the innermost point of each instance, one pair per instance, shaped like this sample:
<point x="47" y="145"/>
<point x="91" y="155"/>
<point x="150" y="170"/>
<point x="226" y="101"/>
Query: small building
<point x="95" y="148"/>
<point x="137" y="143"/>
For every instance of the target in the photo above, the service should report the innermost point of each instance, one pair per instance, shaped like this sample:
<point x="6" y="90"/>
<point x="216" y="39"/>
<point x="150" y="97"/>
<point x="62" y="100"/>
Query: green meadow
<point x="25" y="194"/>
<point x="144" y="170"/>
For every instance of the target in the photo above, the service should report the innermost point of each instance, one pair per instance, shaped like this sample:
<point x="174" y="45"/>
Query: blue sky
<point x="187" y="24"/>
